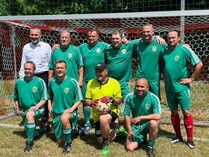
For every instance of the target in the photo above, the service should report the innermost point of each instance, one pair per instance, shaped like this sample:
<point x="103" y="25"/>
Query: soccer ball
<point x="103" y="107"/>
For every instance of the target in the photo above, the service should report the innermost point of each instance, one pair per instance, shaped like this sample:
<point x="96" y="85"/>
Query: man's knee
<point x="65" y="118"/>
<point x="186" y="113"/>
<point x="30" y="115"/>
<point x="104" y="119"/>
<point x="153" y="124"/>
<point x="174" y="112"/>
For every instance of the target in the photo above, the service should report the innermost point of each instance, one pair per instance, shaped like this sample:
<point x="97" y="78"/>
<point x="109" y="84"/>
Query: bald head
<point x="142" y="87"/>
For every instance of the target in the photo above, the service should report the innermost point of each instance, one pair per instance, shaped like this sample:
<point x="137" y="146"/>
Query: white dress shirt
<point x="39" y="54"/>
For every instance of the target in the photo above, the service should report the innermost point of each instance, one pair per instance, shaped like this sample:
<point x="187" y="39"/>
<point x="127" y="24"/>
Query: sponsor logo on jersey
<point x="123" y="51"/>
<point x="147" y="106"/>
<point x="69" y="55"/>
<point x="98" y="50"/>
<point x="34" y="89"/>
<point x="154" y="48"/>
<point x="66" y="90"/>
<point x="176" y="58"/>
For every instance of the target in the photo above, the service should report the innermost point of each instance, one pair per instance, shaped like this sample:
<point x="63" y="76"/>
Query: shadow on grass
<point x="165" y="133"/>
<point x="20" y="133"/>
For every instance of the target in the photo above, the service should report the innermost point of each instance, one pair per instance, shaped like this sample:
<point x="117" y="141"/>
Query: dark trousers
<point x="44" y="76"/>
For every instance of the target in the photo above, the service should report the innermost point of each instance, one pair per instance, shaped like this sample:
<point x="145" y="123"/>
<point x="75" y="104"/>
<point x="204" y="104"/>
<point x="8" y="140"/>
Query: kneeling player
<point x="146" y="110"/>
<point x="29" y="96"/>
<point x="64" y="98"/>
<point x="109" y="89"/>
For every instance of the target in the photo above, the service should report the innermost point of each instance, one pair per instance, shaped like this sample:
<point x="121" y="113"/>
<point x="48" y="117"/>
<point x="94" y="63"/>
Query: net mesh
<point x="14" y="35"/>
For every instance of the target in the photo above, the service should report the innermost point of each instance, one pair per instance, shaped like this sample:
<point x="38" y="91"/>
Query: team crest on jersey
<point x="98" y="50"/>
<point x="147" y="106"/>
<point x="34" y="89"/>
<point x="154" y="48"/>
<point x="176" y="58"/>
<point x="123" y="51"/>
<point x="66" y="90"/>
<point x="69" y="55"/>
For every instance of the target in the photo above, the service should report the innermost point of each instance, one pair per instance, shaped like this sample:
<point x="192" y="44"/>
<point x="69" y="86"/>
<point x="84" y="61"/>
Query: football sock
<point x="30" y="130"/>
<point x="105" y="141"/>
<point x="87" y="112"/>
<point x="151" y="143"/>
<point x="40" y="131"/>
<point x="67" y="134"/>
<point x="188" y="123"/>
<point x="176" y="124"/>
<point x="116" y="125"/>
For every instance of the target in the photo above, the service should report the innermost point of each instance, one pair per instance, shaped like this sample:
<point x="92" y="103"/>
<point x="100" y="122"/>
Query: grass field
<point x="13" y="142"/>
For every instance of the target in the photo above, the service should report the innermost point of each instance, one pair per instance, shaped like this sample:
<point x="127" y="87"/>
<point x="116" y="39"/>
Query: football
<point x="103" y="107"/>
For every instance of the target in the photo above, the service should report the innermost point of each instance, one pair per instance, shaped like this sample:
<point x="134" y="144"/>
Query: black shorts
<point x="97" y="124"/>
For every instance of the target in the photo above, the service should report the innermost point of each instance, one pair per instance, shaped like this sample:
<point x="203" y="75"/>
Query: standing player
<point x="147" y="51"/>
<point x="38" y="52"/>
<point x="106" y="86"/>
<point x="71" y="55"/>
<point x="145" y="109"/>
<point x="177" y="57"/>
<point x="29" y="95"/>
<point x="64" y="98"/>
<point x="92" y="53"/>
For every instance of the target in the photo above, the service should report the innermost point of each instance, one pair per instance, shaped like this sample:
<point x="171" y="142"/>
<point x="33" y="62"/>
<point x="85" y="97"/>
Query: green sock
<point x="151" y="143"/>
<point x="30" y="130"/>
<point x="87" y="112"/>
<point x="67" y="134"/>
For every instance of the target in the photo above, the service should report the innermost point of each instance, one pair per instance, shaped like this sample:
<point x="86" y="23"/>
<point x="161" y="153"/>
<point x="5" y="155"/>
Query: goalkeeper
<point x="30" y="96"/>
<point x="145" y="109"/>
<point x="108" y="90"/>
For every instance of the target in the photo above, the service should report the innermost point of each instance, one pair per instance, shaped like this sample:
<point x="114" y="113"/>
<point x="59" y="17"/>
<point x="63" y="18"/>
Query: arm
<point x="19" y="110"/>
<point x="50" y="74"/>
<point x="50" y="107"/>
<point x="37" y="106"/>
<point x="80" y="80"/>
<point x="23" y="60"/>
<point x="75" y="105"/>
<point x="154" y="116"/>
<point x="195" y="74"/>
<point x="130" y="135"/>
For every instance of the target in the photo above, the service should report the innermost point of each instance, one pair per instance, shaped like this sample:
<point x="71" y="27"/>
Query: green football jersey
<point x="148" y="55"/>
<point x="119" y="61"/>
<point x="63" y="94"/>
<point x="71" y="56"/>
<point x="29" y="93"/>
<point x="91" y="56"/>
<point x="150" y="104"/>
<point x="176" y="66"/>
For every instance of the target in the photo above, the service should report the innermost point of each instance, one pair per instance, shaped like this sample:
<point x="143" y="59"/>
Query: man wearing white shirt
<point x="38" y="52"/>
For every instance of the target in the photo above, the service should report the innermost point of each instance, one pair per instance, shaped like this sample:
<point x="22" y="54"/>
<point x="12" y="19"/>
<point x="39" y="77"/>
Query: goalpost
<point x="14" y="31"/>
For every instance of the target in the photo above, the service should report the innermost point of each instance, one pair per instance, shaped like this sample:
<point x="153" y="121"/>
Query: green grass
<point x="13" y="142"/>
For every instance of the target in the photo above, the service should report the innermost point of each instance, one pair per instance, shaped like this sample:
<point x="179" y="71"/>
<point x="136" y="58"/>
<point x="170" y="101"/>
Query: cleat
<point x="105" y="149"/>
<point x="86" y="128"/>
<point x="176" y="140"/>
<point x="67" y="148"/>
<point x="28" y="147"/>
<point x="150" y="151"/>
<point x="190" y="144"/>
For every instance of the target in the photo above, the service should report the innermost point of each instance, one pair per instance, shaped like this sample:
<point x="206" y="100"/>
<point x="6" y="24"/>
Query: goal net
<point x="193" y="25"/>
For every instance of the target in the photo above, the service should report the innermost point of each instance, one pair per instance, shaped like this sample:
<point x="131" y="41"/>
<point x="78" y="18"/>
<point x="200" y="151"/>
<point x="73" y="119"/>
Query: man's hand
<point x="186" y="80"/>
<point x="20" y="111"/>
<point x="94" y="103"/>
<point x="135" y="120"/>
<point x="160" y="40"/>
<point x="124" y="40"/>
<point x="106" y="99"/>
<point x="68" y="110"/>
<point x="33" y="108"/>
<point x="130" y="138"/>
<point x="55" y="46"/>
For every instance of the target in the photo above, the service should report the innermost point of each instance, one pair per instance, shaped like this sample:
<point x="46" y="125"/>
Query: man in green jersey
<point x="176" y="58"/>
<point x="109" y="89"/>
<point x="30" y="94"/>
<point x="64" y="97"/>
<point x="71" y="55"/>
<point x="92" y="53"/>
<point x="148" y="50"/>
<point x="145" y="109"/>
